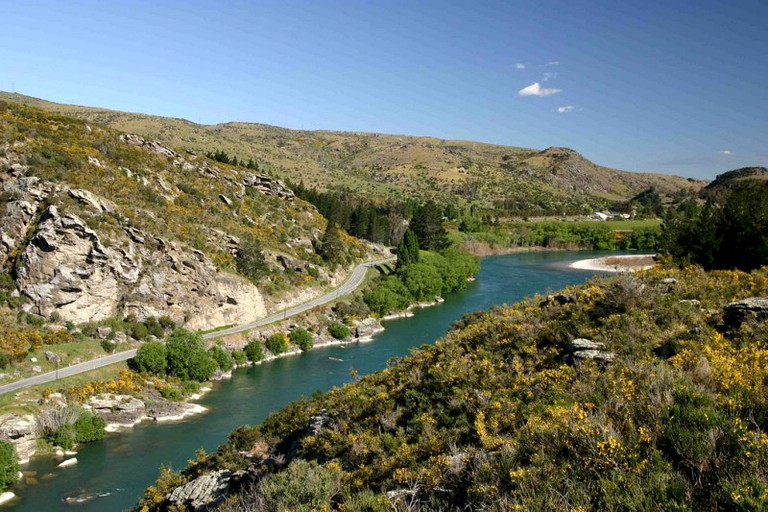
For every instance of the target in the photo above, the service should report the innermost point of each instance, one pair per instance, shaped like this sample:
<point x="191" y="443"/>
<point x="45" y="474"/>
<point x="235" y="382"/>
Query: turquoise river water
<point x="112" y="474"/>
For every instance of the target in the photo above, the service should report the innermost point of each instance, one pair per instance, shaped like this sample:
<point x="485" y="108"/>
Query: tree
<point x="331" y="246"/>
<point x="423" y="281"/>
<point x="729" y="232"/>
<point x="277" y="343"/>
<point x="427" y="223"/>
<point x="254" y="351"/>
<point x="302" y="338"/>
<point x="250" y="259"/>
<point x="89" y="427"/>
<point x="9" y="464"/>
<point x="339" y="331"/>
<point x="388" y="296"/>
<point x="187" y="357"/>
<point x="150" y="358"/>
<point x="408" y="249"/>
<point x="224" y="359"/>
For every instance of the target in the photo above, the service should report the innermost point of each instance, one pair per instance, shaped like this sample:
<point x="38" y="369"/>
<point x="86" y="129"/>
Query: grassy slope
<point x="395" y="165"/>
<point x="492" y="417"/>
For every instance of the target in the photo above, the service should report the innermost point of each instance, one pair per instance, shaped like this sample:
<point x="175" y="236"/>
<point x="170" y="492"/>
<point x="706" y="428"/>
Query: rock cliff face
<point x="64" y="266"/>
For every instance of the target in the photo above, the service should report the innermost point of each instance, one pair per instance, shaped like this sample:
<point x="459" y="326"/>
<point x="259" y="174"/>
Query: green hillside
<point x="550" y="181"/>
<point x="628" y="393"/>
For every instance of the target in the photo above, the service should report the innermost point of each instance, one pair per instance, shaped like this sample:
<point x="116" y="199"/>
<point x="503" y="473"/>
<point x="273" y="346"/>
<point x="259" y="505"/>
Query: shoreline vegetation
<point x="170" y="399"/>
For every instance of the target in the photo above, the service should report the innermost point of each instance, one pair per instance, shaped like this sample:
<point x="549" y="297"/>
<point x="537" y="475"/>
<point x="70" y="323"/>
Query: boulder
<point x="202" y="493"/>
<point x="21" y="431"/>
<point x="582" y="349"/>
<point x="366" y="328"/>
<point x="736" y="313"/>
<point x="120" y="410"/>
<point x="92" y="200"/>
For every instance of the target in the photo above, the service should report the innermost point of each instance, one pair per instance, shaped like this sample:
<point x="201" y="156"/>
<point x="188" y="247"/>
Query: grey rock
<point x="268" y="185"/>
<point x="584" y="344"/>
<point x="21" y="432"/>
<point x="367" y="327"/>
<point x="152" y="146"/>
<point x="736" y="313"/>
<point x="204" y="492"/>
<point x="52" y="357"/>
<point x="104" y="332"/>
<point x="37" y="369"/>
<point x="117" y="409"/>
<point x="690" y="302"/>
<point x="225" y="199"/>
<point x="582" y="349"/>
<point x="92" y="200"/>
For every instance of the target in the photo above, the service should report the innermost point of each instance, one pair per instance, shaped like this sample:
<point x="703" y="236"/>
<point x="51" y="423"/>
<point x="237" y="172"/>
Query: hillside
<point x="553" y="180"/>
<point x="98" y="224"/>
<point x="632" y="393"/>
<point x="725" y="183"/>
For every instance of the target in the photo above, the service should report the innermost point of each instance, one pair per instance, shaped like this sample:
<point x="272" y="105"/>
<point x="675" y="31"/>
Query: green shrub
<point x="254" y="351"/>
<point x="302" y="338"/>
<point x="172" y="393"/>
<point x="149" y="358"/>
<point x="240" y="357"/>
<point x="89" y="427"/>
<point x="187" y="357"/>
<point x="276" y="343"/>
<point x="9" y="464"/>
<point x="222" y="357"/>
<point x="339" y="331"/>
<point x="138" y="330"/>
<point x="109" y="346"/>
<point x="303" y="486"/>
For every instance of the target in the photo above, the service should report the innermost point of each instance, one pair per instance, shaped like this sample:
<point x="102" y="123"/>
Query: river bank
<point x="616" y="263"/>
<point x="112" y="475"/>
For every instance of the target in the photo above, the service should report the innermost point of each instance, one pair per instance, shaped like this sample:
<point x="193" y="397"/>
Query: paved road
<point x="353" y="281"/>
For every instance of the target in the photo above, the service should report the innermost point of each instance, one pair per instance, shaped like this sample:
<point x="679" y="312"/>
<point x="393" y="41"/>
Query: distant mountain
<point x="397" y="166"/>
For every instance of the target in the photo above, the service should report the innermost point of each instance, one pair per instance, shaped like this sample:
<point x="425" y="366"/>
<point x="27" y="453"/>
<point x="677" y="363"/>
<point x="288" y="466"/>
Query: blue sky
<point x="663" y="86"/>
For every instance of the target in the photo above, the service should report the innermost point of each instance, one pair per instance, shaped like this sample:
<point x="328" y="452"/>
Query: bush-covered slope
<point x="659" y="406"/>
<point x="96" y="223"/>
<point x="521" y="180"/>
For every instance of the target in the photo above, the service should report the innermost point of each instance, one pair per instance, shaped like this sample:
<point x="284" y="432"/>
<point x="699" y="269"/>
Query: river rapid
<point x="112" y="474"/>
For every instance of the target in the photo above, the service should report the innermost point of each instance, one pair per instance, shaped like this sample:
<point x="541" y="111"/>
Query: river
<point x="113" y="473"/>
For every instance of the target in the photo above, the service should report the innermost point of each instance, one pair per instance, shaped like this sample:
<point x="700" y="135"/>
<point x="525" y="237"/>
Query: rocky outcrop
<point x="582" y="349"/>
<point x="736" y="313"/>
<point x="163" y="410"/>
<point x="204" y="492"/>
<point x="365" y="329"/>
<point x="268" y="185"/>
<point x="67" y="268"/>
<point x="20" y="431"/>
<point x="117" y="410"/>
<point x="152" y="146"/>
<point x="560" y="299"/>
<point x="96" y="203"/>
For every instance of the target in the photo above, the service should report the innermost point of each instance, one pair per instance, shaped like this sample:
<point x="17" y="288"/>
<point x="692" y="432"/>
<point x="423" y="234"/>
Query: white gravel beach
<point x="619" y="263"/>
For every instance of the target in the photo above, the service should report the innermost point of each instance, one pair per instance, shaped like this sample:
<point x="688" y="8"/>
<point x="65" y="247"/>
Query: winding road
<point x="354" y="280"/>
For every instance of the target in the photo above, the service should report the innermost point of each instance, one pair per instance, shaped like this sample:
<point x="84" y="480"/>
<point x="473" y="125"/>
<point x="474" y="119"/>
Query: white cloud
<point x="535" y="89"/>
<point x="553" y="63"/>
<point x="726" y="152"/>
<point x="548" y="76"/>
<point x="519" y="65"/>
<point x="565" y="109"/>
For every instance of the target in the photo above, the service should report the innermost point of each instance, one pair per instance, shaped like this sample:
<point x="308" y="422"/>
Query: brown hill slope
<point x="553" y="180"/>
